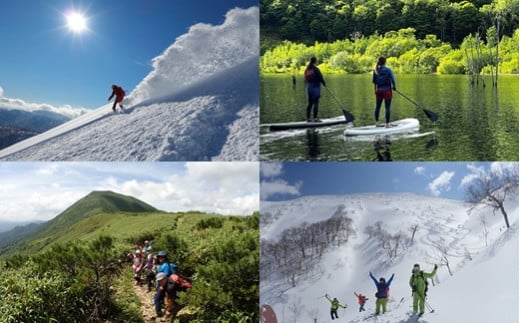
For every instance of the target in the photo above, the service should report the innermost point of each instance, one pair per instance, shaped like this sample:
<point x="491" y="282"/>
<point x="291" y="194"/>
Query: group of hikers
<point x="382" y="78"/>
<point x="417" y="282"/>
<point x="159" y="274"/>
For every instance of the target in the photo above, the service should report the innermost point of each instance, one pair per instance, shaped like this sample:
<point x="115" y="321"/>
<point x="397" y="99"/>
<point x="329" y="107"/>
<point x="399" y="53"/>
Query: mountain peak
<point x="97" y="202"/>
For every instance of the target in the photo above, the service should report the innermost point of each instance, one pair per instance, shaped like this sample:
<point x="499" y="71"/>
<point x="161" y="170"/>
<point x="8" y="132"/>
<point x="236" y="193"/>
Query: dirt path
<point x="147" y="305"/>
<point x="181" y="314"/>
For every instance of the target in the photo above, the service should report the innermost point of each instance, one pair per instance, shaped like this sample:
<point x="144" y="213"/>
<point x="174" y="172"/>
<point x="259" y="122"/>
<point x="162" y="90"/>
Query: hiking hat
<point x="160" y="276"/>
<point x="161" y="253"/>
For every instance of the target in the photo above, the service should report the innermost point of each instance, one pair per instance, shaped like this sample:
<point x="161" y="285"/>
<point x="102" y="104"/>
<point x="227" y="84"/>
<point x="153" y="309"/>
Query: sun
<point x="76" y="22"/>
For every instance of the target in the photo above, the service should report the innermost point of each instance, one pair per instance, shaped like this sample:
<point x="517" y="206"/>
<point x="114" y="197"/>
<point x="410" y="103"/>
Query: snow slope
<point x="481" y="290"/>
<point x="199" y="103"/>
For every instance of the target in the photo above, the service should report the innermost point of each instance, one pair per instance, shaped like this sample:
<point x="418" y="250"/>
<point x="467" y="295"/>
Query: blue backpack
<point x="382" y="78"/>
<point x="173" y="268"/>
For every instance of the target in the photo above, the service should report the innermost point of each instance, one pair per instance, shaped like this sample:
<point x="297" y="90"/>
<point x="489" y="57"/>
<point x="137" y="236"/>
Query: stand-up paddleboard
<point x="267" y="314"/>
<point x="404" y="125"/>
<point x="306" y="124"/>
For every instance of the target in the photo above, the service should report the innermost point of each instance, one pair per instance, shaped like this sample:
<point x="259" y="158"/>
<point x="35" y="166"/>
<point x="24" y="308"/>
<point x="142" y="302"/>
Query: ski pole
<point x="429" y="307"/>
<point x="426" y="303"/>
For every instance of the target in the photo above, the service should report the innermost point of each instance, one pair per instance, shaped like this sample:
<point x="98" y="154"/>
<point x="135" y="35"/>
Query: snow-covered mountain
<point x="199" y="103"/>
<point x="483" y="286"/>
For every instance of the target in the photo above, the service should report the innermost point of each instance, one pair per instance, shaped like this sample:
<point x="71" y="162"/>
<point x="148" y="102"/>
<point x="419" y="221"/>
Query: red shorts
<point x="119" y="99"/>
<point x="384" y="94"/>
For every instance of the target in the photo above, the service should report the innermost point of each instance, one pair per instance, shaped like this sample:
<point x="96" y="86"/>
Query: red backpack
<point x="309" y="74"/>
<point x="182" y="283"/>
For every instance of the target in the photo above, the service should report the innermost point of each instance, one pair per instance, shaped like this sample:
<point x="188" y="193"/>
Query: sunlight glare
<point x="76" y="22"/>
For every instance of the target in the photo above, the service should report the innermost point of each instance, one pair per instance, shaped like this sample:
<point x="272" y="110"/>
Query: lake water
<point x="475" y="123"/>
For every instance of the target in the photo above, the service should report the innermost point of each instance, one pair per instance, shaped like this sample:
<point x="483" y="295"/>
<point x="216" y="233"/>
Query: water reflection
<point x="382" y="149"/>
<point x="313" y="144"/>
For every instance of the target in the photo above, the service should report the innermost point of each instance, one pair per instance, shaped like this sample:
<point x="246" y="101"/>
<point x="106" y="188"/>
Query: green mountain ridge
<point x="84" y="216"/>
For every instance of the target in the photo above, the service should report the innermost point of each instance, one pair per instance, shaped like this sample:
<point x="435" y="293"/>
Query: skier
<point x="334" y="304"/>
<point x="382" y="292"/>
<point x="361" y="301"/>
<point x="119" y="93"/>
<point x="419" y="285"/>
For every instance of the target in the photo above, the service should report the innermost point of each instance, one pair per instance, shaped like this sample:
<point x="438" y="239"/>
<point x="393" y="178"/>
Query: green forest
<point x="417" y="36"/>
<point x="75" y="268"/>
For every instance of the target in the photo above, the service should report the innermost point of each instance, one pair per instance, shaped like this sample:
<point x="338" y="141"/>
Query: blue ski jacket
<point x="382" y="288"/>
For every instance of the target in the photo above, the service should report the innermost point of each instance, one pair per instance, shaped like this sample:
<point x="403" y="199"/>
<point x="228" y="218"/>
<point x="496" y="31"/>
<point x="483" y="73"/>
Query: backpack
<point x="181" y="283"/>
<point x="173" y="268"/>
<point x="382" y="78"/>
<point x="309" y="74"/>
<point x="426" y="283"/>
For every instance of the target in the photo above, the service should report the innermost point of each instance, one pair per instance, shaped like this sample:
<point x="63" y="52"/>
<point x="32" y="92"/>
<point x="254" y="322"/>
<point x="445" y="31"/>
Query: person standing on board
<point x="313" y="80"/>
<point x="384" y="82"/>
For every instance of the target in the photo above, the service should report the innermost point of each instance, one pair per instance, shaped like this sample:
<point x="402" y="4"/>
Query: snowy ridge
<point x="483" y="288"/>
<point x="197" y="104"/>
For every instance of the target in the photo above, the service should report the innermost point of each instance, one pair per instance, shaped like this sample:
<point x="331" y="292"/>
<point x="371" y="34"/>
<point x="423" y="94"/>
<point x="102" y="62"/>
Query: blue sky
<point x="32" y="191"/>
<point x="283" y="181"/>
<point x="43" y="61"/>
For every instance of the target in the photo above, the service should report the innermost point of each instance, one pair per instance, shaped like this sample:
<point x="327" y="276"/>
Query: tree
<point x="485" y="229"/>
<point x="502" y="14"/>
<point x="444" y="250"/>
<point x="413" y="229"/>
<point x="494" y="186"/>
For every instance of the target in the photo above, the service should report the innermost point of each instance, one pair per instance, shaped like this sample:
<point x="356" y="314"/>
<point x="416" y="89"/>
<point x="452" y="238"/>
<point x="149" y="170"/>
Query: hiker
<point x="334" y="304"/>
<point x="383" y="288"/>
<point x="169" y="289"/>
<point x="313" y="79"/>
<point x="147" y="247"/>
<point x="384" y="82"/>
<point x="150" y="271"/>
<point x="166" y="267"/>
<point x="120" y="94"/>
<point x="137" y="266"/>
<point x="419" y="285"/>
<point x="362" y="299"/>
<point x="162" y="267"/>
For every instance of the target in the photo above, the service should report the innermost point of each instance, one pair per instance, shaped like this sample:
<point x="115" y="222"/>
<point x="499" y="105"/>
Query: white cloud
<point x="271" y="188"/>
<point x="441" y="183"/>
<point x="40" y="191"/>
<point x="474" y="172"/>
<point x="18" y="104"/>
<point x="271" y="169"/>
<point x="420" y="170"/>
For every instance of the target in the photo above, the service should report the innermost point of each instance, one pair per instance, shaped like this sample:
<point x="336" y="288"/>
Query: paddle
<point x="430" y="114"/>
<point x="348" y="116"/>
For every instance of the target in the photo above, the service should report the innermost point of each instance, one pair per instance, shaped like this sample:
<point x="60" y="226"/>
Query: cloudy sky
<point x="47" y="61"/>
<point x="40" y="191"/>
<point x="282" y="181"/>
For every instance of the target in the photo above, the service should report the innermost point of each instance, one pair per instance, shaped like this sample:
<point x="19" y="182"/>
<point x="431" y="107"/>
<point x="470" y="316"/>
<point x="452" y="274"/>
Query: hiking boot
<point x="316" y="120"/>
<point x="309" y="120"/>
